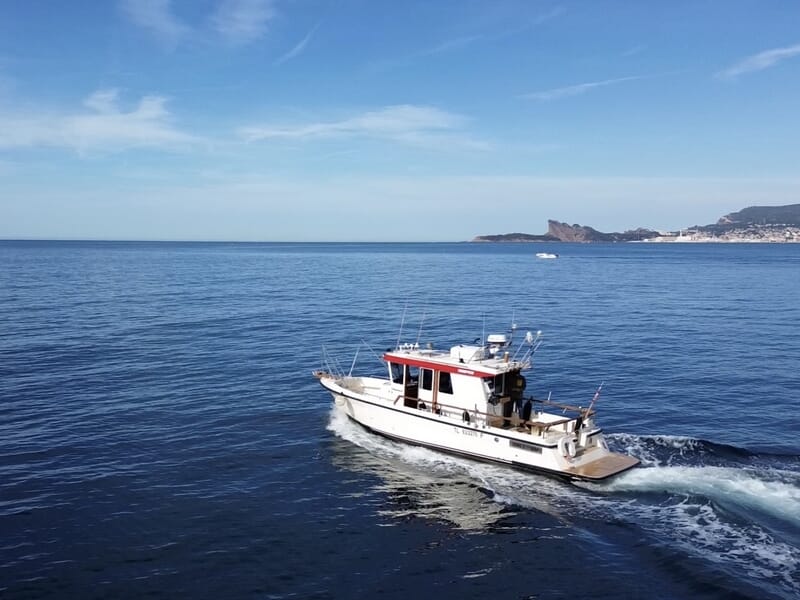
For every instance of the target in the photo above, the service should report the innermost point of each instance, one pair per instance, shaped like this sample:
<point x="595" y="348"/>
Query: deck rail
<point x="491" y="419"/>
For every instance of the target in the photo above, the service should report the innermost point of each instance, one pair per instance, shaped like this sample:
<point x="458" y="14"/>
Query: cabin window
<point x="445" y="383"/>
<point x="427" y="379"/>
<point x="499" y="388"/>
<point x="412" y="375"/>
<point x="397" y="372"/>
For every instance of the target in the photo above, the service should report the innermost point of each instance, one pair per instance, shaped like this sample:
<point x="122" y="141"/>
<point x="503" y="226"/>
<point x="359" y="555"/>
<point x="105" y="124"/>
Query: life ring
<point x="567" y="447"/>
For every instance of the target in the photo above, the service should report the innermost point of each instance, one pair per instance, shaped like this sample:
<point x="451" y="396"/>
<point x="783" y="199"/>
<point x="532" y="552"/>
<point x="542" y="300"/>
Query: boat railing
<point x="330" y="364"/>
<point x="564" y="407"/>
<point x="468" y="414"/>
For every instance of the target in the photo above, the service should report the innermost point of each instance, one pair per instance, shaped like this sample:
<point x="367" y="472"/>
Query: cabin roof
<point x="464" y="360"/>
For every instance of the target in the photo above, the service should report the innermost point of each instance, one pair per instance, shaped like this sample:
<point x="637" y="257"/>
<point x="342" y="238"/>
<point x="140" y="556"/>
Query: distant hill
<point x="753" y="216"/>
<point x="515" y="237"/>
<point x="763" y="215"/>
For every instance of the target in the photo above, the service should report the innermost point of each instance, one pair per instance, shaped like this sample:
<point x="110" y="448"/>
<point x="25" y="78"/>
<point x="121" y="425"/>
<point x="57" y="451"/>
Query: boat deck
<point x="518" y="424"/>
<point x="603" y="467"/>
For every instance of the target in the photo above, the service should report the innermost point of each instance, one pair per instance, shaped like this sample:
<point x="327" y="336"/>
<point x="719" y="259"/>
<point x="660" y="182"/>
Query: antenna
<point x="402" y="321"/>
<point x="419" y="333"/>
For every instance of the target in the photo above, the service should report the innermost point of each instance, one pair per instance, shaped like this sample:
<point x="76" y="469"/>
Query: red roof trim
<point x="437" y="366"/>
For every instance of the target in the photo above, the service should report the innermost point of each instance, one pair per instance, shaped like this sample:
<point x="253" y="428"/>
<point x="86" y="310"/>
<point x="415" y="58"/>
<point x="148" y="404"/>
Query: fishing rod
<point x="596" y="396"/>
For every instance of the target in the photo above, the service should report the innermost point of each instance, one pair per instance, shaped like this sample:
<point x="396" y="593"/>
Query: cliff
<point x="755" y="223"/>
<point x="563" y="232"/>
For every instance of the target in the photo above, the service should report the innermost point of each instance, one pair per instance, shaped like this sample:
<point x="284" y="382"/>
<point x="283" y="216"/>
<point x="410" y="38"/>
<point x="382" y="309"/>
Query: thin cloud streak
<point x="759" y="62"/>
<point x="575" y="90"/>
<point x="410" y="124"/>
<point x="450" y="45"/>
<point x="298" y="49"/>
<point x="444" y="47"/>
<point x="243" y="21"/>
<point x="104" y="127"/>
<point x="553" y="13"/>
<point x="460" y="43"/>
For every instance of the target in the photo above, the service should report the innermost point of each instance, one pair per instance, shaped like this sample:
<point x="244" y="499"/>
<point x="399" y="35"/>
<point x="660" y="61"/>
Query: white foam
<point x="343" y="427"/>
<point x="772" y="492"/>
<point x="645" y="447"/>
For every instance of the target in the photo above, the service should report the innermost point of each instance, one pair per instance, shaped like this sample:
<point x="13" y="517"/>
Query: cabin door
<point x="411" y="379"/>
<point x="426" y="387"/>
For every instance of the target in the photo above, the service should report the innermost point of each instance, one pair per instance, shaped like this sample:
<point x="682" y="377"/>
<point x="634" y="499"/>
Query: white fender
<point x="571" y="450"/>
<point x="566" y="446"/>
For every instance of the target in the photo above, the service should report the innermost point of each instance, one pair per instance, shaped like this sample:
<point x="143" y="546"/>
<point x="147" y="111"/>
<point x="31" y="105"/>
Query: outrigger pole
<point x="355" y="358"/>
<point x="596" y="396"/>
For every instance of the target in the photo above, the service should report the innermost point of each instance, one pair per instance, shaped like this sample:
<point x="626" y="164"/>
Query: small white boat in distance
<point x="469" y="400"/>
<point x="546" y="255"/>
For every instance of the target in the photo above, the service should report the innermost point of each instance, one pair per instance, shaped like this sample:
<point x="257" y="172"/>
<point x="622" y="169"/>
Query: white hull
<point x="558" y="452"/>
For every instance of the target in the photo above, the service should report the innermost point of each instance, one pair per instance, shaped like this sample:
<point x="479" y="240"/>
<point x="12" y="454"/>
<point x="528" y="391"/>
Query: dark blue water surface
<point x="161" y="434"/>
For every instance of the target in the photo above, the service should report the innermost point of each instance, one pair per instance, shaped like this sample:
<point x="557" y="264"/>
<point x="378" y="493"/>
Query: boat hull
<point x="473" y="439"/>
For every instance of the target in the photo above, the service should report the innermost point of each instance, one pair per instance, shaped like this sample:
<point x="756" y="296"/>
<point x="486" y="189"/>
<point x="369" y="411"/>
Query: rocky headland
<point x="753" y="224"/>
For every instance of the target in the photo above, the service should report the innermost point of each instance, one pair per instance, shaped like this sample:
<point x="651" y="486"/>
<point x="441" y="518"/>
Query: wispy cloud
<point x="635" y="50"/>
<point x="491" y="32"/>
<point x="102" y="126"/>
<point x="386" y="122"/>
<point x="451" y="45"/>
<point x="447" y="46"/>
<point x="156" y="16"/>
<point x="759" y="62"/>
<point x="575" y="90"/>
<point x="243" y="21"/>
<point x="551" y="14"/>
<point x="419" y="125"/>
<point x="234" y="21"/>
<point x="298" y="48"/>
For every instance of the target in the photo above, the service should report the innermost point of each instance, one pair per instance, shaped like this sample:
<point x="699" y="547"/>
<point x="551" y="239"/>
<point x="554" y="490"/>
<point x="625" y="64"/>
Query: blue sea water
<point x="161" y="434"/>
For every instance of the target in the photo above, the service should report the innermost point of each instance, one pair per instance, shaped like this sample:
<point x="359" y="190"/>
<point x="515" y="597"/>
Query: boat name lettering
<point x="466" y="372"/>
<point x="524" y="446"/>
<point x="466" y="432"/>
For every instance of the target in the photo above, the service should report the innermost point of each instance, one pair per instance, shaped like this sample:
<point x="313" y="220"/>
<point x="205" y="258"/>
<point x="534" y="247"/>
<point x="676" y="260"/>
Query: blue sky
<point x="370" y="120"/>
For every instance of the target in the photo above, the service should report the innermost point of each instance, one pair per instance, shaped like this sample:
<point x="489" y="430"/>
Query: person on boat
<point x="526" y="413"/>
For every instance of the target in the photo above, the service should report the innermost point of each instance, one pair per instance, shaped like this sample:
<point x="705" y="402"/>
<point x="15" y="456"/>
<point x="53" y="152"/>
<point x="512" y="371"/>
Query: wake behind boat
<point x="469" y="400"/>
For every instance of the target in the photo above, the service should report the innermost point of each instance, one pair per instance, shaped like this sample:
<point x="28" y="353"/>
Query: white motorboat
<point x="470" y="400"/>
<point x="546" y="255"/>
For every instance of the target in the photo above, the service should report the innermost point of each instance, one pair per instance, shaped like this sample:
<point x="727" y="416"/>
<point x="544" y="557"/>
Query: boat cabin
<point x="466" y="378"/>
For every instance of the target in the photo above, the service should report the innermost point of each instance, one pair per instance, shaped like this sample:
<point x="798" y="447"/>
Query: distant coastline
<point x="755" y="224"/>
